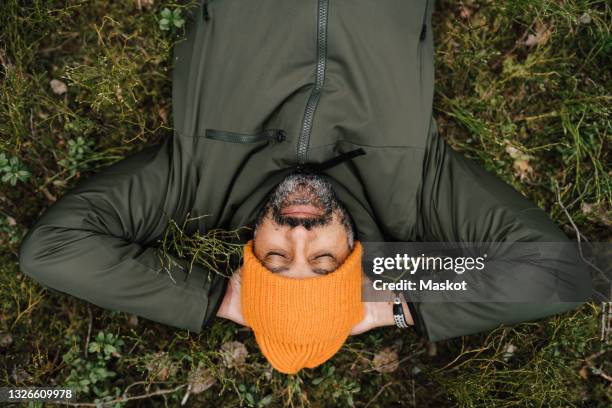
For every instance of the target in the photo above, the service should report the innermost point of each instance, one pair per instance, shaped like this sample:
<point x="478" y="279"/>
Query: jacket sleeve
<point x="96" y="243"/>
<point x="462" y="202"/>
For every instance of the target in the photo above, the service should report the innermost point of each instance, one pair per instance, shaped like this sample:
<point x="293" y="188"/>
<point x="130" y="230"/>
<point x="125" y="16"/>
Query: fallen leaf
<point x="58" y="87"/>
<point x="386" y="360"/>
<point x="144" y="4"/>
<point x="161" y="366"/>
<point x="585" y="18"/>
<point x="584" y="372"/>
<point x="597" y="212"/>
<point x="542" y="35"/>
<point x="521" y="163"/>
<point x="510" y="348"/>
<point x="432" y="349"/>
<point x="509" y="351"/>
<point x="531" y="40"/>
<point x="605" y="217"/>
<point x="465" y="11"/>
<point x="200" y="379"/>
<point x="5" y="340"/>
<point x="163" y="114"/>
<point x="513" y="151"/>
<point x="132" y="320"/>
<point x="21" y="376"/>
<point x="523" y="168"/>
<point x="234" y="353"/>
<point x="119" y="93"/>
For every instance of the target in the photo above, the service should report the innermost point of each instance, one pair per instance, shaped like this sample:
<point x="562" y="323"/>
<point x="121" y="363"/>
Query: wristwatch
<point x="398" y="313"/>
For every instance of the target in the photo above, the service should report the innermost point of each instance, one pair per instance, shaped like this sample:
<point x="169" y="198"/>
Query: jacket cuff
<point x="417" y="324"/>
<point x="419" y="327"/>
<point x="207" y="289"/>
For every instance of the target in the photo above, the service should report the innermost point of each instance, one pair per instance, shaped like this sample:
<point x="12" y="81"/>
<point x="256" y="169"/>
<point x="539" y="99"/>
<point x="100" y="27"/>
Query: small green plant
<point x="218" y="250"/>
<point x="13" y="170"/>
<point x="328" y="372"/>
<point x="91" y="374"/>
<point x="341" y="388"/>
<point x="80" y="126"/>
<point x="345" y="389"/>
<point x="10" y="232"/>
<point x="171" y="20"/>
<point x="79" y="151"/>
<point x="252" y="398"/>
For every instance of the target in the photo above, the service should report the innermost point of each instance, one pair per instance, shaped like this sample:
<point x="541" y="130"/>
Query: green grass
<point x="538" y="115"/>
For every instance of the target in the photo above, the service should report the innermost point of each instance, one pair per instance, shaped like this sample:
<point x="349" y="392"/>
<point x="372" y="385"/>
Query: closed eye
<point x="276" y="262"/>
<point x="322" y="271"/>
<point x="272" y="253"/>
<point x="325" y="255"/>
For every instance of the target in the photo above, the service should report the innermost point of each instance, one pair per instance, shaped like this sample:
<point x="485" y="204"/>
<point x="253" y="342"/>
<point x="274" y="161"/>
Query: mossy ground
<point x="522" y="86"/>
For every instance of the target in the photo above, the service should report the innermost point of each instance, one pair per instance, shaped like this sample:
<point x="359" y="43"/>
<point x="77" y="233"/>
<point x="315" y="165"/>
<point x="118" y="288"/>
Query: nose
<point x="299" y="238"/>
<point x="300" y="234"/>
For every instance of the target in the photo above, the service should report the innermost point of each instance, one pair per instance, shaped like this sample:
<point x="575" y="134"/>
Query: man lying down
<point x="310" y="121"/>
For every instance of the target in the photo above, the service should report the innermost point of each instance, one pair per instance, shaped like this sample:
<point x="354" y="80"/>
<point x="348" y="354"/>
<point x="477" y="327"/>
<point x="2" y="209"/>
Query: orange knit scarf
<point x="301" y="322"/>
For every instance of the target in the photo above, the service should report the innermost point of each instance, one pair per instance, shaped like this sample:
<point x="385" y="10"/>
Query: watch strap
<point x="398" y="313"/>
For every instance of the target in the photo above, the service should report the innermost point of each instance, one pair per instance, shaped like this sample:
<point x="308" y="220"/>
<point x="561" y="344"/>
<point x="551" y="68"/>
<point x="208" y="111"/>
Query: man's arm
<point x="462" y="202"/>
<point x="379" y="313"/>
<point x="231" y="305"/>
<point x="95" y="243"/>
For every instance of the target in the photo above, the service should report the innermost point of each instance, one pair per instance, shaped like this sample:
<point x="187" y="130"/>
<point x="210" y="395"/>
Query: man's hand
<point x="231" y="308"/>
<point x="379" y="314"/>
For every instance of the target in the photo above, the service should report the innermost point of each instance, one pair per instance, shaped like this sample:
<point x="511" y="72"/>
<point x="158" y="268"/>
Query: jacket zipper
<point x="313" y="99"/>
<point x="278" y="135"/>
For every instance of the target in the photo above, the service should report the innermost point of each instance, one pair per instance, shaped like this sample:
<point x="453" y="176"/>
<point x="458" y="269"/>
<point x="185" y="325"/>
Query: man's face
<point x="303" y="230"/>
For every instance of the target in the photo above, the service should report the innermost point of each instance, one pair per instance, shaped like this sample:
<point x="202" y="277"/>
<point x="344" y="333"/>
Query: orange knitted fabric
<point x="301" y="322"/>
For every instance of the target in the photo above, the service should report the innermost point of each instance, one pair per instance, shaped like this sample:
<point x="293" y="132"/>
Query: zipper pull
<point x="275" y="134"/>
<point x="423" y="32"/>
<point x="281" y="135"/>
<point x="205" y="12"/>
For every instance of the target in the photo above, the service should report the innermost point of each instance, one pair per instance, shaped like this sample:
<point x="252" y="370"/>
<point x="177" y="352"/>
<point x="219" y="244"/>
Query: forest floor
<point x="522" y="87"/>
